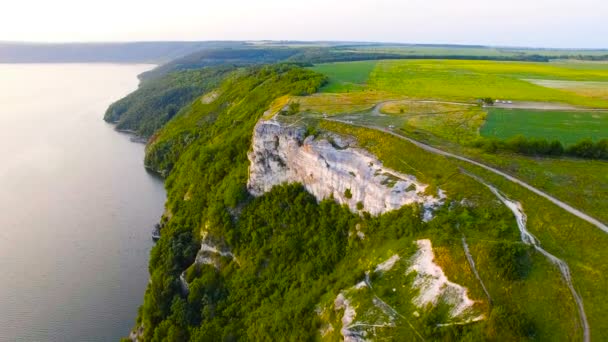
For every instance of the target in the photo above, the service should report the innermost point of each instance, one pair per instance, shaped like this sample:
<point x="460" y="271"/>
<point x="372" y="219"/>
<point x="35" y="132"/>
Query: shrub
<point x="348" y="194"/>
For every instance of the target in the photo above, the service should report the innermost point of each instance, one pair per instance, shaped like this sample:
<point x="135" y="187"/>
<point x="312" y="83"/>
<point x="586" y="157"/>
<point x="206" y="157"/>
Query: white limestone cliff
<point x="330" y="166"/>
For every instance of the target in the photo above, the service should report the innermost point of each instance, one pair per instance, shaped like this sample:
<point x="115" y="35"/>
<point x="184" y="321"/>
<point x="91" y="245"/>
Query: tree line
<point x="585" y="148"/>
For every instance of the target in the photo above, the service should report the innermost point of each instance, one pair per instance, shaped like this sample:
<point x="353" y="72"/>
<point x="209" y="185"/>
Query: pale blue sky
<point x="544" y="23"/>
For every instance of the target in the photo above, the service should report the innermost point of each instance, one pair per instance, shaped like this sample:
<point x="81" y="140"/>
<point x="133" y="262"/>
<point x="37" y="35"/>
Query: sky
<point x="532" y="23"/>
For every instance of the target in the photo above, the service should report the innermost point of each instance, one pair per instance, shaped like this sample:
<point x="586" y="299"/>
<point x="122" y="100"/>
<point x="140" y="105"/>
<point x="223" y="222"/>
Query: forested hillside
<point x="232" y="267"/>
<point x="289" y="263"/>
<point x="155" y="102"/>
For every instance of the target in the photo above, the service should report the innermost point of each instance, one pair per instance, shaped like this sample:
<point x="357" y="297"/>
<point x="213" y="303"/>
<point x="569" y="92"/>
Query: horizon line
<point x="287" y="41"/>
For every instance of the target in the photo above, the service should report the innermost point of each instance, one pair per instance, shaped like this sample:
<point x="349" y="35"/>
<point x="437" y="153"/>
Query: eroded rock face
<point x="330" y="166"/>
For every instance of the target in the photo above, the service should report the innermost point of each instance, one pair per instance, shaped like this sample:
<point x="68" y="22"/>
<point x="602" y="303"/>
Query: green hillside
<point x="286" y="266"/>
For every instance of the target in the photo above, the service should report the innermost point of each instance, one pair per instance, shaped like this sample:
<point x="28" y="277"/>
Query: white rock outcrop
<point x="434" y="285"/>
<point x="330" y="167"/>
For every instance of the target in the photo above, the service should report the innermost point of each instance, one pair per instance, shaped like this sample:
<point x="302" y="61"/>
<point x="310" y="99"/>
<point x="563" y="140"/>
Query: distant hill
<point x="136" y="52"/>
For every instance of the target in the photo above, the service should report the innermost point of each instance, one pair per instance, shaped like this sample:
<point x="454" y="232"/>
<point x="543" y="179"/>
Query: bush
<point x="348" y="194"/>
<point x="512" y="260"/>
<point x="488" y="101"/>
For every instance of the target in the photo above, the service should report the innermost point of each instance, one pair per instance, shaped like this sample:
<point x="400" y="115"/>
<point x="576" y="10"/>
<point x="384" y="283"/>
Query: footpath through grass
<point x="565" y="126"/>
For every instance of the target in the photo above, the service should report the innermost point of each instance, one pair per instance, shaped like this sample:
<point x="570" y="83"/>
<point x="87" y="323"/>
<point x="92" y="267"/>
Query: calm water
<point x="76" y="205"/>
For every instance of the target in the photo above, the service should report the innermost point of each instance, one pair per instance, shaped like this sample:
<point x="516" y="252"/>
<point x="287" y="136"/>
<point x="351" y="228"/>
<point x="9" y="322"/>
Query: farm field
<point x="584" y="88"/>
<point x="345" y="77"/>
<point x="406" y="90"/>
<point x="565" y="126"/>
<point x="339" y="103"/>
<point x="462" y="80"/>
<point x="471" y="80"/>
<point x="479" y="51"/>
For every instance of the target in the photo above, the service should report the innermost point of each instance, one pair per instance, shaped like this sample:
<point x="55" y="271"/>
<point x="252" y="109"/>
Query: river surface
<point x="76" y="205"/>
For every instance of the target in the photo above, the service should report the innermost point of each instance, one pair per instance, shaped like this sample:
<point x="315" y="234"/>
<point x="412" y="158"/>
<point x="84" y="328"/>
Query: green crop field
<point x="461" y="80"/>
<point x="345" y="77"/>
<point x="471" y="80"/>
<point x="568" y="127"/>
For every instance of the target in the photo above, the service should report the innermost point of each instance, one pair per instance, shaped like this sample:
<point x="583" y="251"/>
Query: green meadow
<point x="467" y="81"/>
<point x="471" y="80"/>
<point x="568" y="127"/>
<point x="346" y="76"/>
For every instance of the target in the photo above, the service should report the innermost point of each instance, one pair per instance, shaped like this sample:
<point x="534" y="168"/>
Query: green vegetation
<point x="585" y="148"/>
<point x="345" y="77"/>
<point x="292" y="109"/>
<point x="294" y="255"/>
<point x="360" y="206"/>
<point x="590" y="89"/>
<point x="205" y="150"/>
<point x="577" y="182"/>
<point x="473" y="52"/>
<point x="341" y="103"/>
<point x="239" y="55"/>
<point x="561" y="233"/>
<point x="348" y="194"/>
<point x="568" y="127"/>
<point x="472" y="80"/>
<point x="156" y="101"/>
<point x="542" y="284"/>
<point x="242" y="98"/>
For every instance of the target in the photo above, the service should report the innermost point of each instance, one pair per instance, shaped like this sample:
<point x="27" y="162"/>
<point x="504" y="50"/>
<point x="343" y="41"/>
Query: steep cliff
<point x="329" y="166"/>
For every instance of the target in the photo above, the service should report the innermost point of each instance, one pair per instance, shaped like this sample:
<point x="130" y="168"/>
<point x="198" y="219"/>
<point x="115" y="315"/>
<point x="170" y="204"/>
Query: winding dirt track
<point x="429" y="148"/>
<point x="529" y="239"/>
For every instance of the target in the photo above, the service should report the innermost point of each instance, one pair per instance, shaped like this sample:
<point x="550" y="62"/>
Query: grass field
<point x="461" y="80"/>
<point x="598" y="90"/>
<point x="447" y="50"/>
<point x="580" y="183"/>
<point x="345" y="77"/>
<point x="339" y="103"/>
<point x="567" y="127"/>
<point x="471" y="80"/>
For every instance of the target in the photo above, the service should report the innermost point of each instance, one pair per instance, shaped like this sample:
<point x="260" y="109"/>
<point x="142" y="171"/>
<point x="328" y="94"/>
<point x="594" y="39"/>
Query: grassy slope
<point x="156" y="101"/>
<point x="562" y="234"/>
<point x="580" y="183"/>
<point x="578" y="243"/>
<point x="542" y="286"/>
<point x="567" y="127"/>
